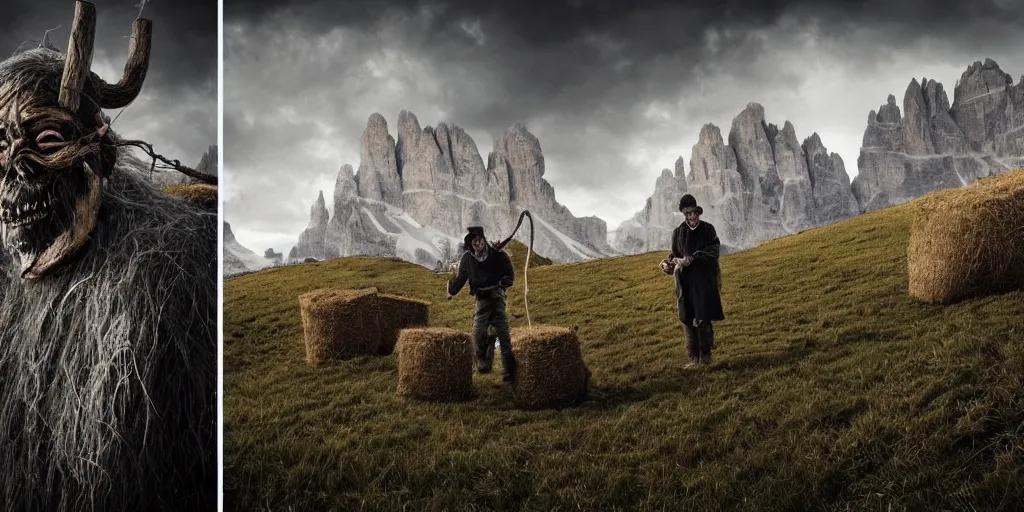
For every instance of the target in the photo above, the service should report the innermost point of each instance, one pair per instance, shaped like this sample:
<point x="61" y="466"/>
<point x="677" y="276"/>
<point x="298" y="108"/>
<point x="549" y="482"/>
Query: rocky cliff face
<point x="653" y="225"/>
<point x="237" y="258"/>
<point x="830" y="184"/>
<point x="763" y="184"/>
<point x="930" y="145"/>
<point x="208" y="162"/>
<point x="414" y="197"/>
<point x="378" y="169"/>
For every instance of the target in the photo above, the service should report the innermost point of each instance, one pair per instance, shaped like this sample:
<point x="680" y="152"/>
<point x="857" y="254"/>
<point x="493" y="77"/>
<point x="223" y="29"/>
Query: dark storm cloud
<point x="181" y="85"/>
<point x="577" y="52"/>
<point x="543" y="22"/>
<point x="615" y="91"/>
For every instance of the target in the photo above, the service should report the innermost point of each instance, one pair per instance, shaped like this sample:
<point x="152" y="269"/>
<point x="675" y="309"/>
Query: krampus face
<point x="49" y="183"/>
<point x="54" y="145"/>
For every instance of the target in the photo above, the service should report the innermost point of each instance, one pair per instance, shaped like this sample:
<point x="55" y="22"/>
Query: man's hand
<point x="683" y="262"/>
<point x="666" y="266"/>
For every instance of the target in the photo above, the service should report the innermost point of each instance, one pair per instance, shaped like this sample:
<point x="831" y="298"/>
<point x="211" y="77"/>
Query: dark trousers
<point x="490" y="312"/>
<point x="700" y="341"/>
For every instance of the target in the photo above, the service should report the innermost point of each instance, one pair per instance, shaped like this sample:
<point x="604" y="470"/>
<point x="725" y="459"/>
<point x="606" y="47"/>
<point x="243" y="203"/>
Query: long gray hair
<point x="108" y="365"/>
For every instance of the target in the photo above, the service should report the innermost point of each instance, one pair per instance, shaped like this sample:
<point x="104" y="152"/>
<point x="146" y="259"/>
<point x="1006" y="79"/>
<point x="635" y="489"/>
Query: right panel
<point x="593" y="255"/>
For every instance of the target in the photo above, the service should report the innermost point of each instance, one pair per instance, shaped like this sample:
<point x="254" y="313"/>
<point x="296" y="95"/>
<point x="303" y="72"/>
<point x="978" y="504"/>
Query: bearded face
<point x="49" y="184"/>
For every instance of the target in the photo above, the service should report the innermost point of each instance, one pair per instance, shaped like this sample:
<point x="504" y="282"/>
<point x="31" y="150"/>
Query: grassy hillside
<point x="831" y="390"/>
<point x="517" y="250"/>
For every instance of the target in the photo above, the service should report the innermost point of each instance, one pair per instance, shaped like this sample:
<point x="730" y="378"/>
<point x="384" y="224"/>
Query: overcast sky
<point x="177" y="109"/>
<point x="615" y="91"/>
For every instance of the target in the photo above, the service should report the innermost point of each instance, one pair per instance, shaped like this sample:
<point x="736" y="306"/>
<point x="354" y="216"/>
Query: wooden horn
<point x="127" y="89"/>
<point x="79" y="56"/>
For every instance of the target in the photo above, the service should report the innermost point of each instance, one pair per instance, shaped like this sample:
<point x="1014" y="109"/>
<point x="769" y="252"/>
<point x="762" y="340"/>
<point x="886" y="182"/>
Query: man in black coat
<point x="489" y="273"/>
<point x="694" y="263"/>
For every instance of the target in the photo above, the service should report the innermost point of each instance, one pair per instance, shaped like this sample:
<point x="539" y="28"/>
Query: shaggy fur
<point x="108" y="365"/>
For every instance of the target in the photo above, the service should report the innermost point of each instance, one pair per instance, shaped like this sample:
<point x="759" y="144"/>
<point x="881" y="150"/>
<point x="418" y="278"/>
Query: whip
<point x="526" y="284"/>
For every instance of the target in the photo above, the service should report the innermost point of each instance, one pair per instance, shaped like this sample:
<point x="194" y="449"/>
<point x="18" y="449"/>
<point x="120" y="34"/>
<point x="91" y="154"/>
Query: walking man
<point x="694" y="264"/>
<point x="489" y="273"/>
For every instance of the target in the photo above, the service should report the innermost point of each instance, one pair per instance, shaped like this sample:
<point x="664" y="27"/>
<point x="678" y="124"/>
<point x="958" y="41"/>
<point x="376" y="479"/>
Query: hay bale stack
<point x="435" y="364"/>
<point x="339" y="324"/>
<point x="968" y="242"/>
<point x="342" y="324"/>
<point x="202" y="195"/>
<point x="397" y="313"/>
<point x="550" y="372"/>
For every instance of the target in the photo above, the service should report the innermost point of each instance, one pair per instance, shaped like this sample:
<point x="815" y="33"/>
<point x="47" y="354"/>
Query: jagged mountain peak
<point x="415" y="193"/>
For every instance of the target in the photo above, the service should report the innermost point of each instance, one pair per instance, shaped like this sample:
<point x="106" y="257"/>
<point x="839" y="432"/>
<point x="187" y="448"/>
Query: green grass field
<point x="831" y="389"/>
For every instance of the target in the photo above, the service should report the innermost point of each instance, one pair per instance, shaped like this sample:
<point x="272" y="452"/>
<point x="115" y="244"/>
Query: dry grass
<point x="201" y="194"/>
<point x="968" y="242"/>
<point x="517" y="252"/>
<point x="435" y="364"/>
<point x="342" y="324"/>
<point x="550" y="369"/>
<point x="832" y="389"/>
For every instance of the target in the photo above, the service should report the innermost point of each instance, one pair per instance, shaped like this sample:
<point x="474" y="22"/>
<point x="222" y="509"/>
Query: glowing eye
<point x="49" y="139"/>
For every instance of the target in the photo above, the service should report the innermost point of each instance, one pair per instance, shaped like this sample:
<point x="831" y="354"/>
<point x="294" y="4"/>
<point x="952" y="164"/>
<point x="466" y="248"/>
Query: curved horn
<point x="79" y="56"/>
<point x="127" y="89"/>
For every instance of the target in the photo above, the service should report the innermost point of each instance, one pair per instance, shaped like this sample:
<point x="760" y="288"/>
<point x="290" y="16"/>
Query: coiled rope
<point x="526" y="282"/>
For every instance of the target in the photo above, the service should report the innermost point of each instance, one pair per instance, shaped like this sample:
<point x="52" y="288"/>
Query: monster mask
<point x="55" y="147"/>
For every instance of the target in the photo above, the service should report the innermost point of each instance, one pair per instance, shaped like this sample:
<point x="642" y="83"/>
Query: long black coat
<point x="698" y="285"/>
<point x="496" y="270"/>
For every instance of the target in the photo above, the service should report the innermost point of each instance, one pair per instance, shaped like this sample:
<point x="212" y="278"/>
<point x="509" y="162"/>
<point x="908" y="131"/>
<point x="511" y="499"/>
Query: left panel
<point x="108" y="255"/>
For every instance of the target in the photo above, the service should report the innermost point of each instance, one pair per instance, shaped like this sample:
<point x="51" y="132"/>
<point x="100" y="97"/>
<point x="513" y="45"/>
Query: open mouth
<point x="49" y="220"/>
<point x="21" y="215"/>
<point x="26" y="204"/>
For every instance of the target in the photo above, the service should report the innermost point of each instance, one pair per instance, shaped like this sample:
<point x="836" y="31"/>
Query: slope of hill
<point x="517" y="250"/>
<point x="831" y="389"/>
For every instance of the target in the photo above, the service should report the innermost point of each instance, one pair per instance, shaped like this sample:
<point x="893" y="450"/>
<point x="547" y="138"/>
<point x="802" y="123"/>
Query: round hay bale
<point x="339" y="324"/>
<point x="550" y="372"/>
<point x="200" y="194"/>
<point x="435" y="364"/>
<point x="968" y="242"/>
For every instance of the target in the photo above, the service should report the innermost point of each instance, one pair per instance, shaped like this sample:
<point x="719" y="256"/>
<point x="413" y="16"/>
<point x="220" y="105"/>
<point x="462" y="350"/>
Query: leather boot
<point x="706" y="337"/>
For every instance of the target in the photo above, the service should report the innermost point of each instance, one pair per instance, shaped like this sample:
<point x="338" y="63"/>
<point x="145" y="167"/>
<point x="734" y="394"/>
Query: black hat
<point x="688" y="203"/>
<point x="474" y="231"/>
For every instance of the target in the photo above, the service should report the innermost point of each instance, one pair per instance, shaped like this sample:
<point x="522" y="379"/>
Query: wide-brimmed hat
<point x="688" y="204"/>
<point x="474" y="231"/>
